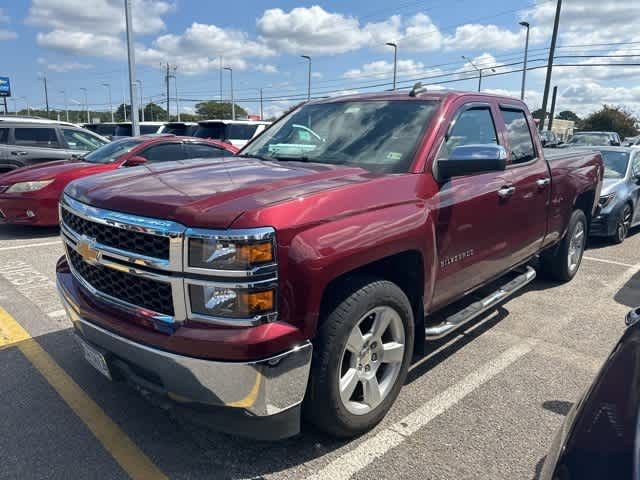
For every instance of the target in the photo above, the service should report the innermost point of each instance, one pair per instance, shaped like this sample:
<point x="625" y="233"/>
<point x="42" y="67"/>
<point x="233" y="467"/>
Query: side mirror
<point x="614" y="143"/>
<point x="136" y="161"/>
<point x="470" y="159"/>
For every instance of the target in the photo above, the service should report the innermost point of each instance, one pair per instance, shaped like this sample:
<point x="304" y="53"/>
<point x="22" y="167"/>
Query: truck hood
<point x="49" y="170"/>
<point x="211" y="193"/>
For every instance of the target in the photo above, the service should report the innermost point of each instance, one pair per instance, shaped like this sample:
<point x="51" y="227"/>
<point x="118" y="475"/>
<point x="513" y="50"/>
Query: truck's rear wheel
<point x="362" y="354"/>
<point x="563" y="262"/>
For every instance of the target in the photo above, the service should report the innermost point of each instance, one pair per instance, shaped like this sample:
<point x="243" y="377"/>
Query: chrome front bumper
<point x="261" y="388"/>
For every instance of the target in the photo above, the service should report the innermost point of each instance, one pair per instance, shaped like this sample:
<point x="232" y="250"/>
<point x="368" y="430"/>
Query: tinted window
<point x="112" y="151"/>
<point x="147" y="129"/>
<point x="182" y="130"/>
<point x="379" y="136"/>
<point x="217" y="131"/>
<point x="4" y="135"/>
<point x="196" y="150"/>
<point x="106" y="130"/>
<point x="167" y="152"/>
<point x="615" y="164"/>
<point x="242" y="132"/>
<point x="78" y="140"/>
<point x="37" y="137"/>
<point x="123" y="131"/>
<point x="635" y="165"/>
<point x="519" y="136"/>
<point x="472" y="127"/>
<point x="590" y="139"/>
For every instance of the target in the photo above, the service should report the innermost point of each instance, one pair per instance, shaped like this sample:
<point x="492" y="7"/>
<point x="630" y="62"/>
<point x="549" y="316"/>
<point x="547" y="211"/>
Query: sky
<point x="80" y="44"/>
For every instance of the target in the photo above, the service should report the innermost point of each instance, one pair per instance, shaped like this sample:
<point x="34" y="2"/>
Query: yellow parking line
<point x="118" y="444"/>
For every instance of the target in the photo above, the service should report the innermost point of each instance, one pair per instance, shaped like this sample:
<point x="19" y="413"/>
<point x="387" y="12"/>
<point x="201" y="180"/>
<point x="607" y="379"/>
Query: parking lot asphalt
<point x="483" y="403"/>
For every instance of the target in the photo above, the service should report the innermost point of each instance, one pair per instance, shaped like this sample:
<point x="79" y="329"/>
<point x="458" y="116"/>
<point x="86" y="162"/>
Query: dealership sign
<point x="5" y="87"/>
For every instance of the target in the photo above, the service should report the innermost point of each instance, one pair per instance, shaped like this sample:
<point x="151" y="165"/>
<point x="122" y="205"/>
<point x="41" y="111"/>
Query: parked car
<point x="124" y="129"/>
<point x="30" y="195"/>
<point x="631" y="141"/>
<point x="106" y="129"/>
<point x="27" y="142"/>
<point x="620" y="195"/>
<point x="599" y="438"/>
<point x="184" y="129"/>
<point x="306" y="273"/>
<point x="236" y="132"/>
<point x="594" y="139"/>
<point x="549" y="139"/>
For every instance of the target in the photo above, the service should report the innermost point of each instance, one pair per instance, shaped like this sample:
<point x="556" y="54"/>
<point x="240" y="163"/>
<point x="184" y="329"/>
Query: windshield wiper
<point x="292" y="159"/>
<point x="259" y="157"/>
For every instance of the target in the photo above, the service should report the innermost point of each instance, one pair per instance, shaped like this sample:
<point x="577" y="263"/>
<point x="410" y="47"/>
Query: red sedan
<point x="30" y="195"/>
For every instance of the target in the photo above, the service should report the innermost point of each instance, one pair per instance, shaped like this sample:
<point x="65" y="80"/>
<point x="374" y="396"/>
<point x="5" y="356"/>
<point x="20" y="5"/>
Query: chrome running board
<point x="460" y="318"/>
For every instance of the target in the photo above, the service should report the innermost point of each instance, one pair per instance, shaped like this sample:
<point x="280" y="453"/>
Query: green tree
<point x="611" y="119"/>
<point x="213" y="109"/>
<point x="119" y="113"/>
<point x="537" y="114"/>
<point x="568" y="115"/>
<point x="154" y="113"/>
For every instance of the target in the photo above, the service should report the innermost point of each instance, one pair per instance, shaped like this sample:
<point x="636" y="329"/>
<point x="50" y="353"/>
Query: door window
<point x="635" y="164"/>
<point x="198" y="150"/>
<point x="239" y="131"/>
<point x="4" y="135"/>
<point x="472" y="127"/>
<point x="36" y="137"/>
<point x="78" y="140"/>
<point x="167" y="152"/>
<point x="519" y="136"/>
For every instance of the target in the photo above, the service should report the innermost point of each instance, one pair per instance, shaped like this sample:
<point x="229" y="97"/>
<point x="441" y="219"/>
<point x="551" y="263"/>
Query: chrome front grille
<point x="138" y="264"/>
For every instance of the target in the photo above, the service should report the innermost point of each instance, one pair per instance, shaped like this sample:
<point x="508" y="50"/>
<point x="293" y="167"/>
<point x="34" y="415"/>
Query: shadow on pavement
<point x="629" y="294"/>
<point x="25" y="232"/>
<point x="597" y="243"/>
<point x="560" y="407"/>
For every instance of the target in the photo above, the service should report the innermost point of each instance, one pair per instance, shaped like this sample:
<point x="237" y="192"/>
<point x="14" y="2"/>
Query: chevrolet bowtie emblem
<point x="86" y="249"/>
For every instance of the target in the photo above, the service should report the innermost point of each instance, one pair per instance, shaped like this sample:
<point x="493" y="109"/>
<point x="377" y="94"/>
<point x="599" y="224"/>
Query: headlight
<point x="605" y="200"/>
<point x="230" y="302"/>
<point x="27" y="186"/>
<point x="238" y="251"/>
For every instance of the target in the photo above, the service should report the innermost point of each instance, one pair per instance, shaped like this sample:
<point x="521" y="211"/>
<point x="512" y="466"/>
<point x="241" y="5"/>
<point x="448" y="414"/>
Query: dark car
<point x="594" y="139"/>
<point x="549" y="139"/>
<point x="599" y="438"/>
<point x="106" y="129"/>
<point x="183" y="129"/>
<point x="28" y="142"/>
<point x="620" y="194"/>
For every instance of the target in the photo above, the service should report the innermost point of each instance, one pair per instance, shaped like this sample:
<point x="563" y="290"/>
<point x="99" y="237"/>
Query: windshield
<point x="379" y="136"/>
<point x="590" y="139"/>
<point x="615" y="164"/>
<point x="217" y="131"/>
<point x="178" y="129"/>
<point x="112" y="151"/>
<point x="101" y="129"/>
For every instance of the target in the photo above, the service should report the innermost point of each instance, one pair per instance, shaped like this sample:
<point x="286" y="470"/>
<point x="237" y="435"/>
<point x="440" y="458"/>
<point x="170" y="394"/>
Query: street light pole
<point x="395" y="62"/>
<point x="175" y="85"/>
<point x="526" y="54"/>
<point x="479" y="70"/>
<point x="109" y="97"/>
<point x="261" y="115"/>
<point x="66" y="106"/>
<point x="86" y="103"/>
<point x="135" y="127"/>
<point x="233" y="105"/>
<point x="309" y="77"/>
<point x="46" y="93"/>
<point x="139" y="82"/>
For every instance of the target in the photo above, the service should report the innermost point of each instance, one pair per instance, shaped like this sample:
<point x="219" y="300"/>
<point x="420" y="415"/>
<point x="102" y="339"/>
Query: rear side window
<point x="4" y="135"/>
<point x="472" y="127"/>
<point x="36" y="137"/>
<point x="519" y="136"/>
<point x="79" y="140"/>
<point x="217" y="131"/>
<point x="242" y="132"/>
<point x="198" y="150"/>
<point x="147" y="129"/>
<point x="166" y="152"/>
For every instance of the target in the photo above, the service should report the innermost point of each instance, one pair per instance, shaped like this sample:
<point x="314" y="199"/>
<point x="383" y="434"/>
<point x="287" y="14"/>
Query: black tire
<point x="323" y="406"/>
<point x="555" y="263"/>
<point x="623" y="224"/>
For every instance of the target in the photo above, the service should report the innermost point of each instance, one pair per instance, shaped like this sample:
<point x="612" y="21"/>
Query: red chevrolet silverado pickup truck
<point x="300" y="276"/>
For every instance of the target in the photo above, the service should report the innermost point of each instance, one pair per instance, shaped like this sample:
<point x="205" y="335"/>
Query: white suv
<point x="235" y="132"/>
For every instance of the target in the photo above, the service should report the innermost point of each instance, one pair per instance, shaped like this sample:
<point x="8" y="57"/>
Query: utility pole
<point x="124" y="105"/>
<point x="261" y="115"/>
<point x="139" y="82"/>
<point x="479" y="70"/>
<point x="309" y="77"/>
<point x="166" y="80"/>
<point x="526" y="54"/>
<point x="552" y="50"/>
<point x="553" y="106"/>
<point x="86" y="104"/>
<point x="220" y="78"/>
<point x="175" y="85"/>
<point x="66" y="106"/>
<point x="233" y="105"/>
<point x="46" y="93"/>
<point x="395" y="62"/>
<point x="135" y="127"/>
<point x="109" y="98"/>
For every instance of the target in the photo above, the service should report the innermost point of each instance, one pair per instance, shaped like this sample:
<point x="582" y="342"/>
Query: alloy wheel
<point x="576" y="247"/>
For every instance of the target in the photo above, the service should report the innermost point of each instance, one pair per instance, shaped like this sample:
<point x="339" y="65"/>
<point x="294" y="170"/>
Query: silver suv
<point x="27" y="141"/>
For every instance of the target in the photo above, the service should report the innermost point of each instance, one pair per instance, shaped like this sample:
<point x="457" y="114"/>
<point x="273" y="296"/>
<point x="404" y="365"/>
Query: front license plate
<point x="95" y="358"/>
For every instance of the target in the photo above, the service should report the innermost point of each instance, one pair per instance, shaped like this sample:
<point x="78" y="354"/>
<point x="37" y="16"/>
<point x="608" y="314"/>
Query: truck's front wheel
<point x="362" y="354"/>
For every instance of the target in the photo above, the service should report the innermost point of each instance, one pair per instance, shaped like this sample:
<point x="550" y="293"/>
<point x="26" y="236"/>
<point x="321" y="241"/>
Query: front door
<point x="471" y="232"/>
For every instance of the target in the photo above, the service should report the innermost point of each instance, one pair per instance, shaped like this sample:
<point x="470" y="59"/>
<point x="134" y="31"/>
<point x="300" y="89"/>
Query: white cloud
<point x="383" y="69"/>
<point x="317" y="75"/>
<point x="4" y="18"/>
<point x="65" y="66"/>
<point x="471" y="36"/>
<point x="82" y="43"/>
<point x="7" y="34"/>
<point x="266" y="68"/>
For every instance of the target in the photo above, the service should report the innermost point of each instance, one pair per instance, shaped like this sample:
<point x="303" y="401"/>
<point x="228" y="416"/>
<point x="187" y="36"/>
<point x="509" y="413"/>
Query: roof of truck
<point x="424" y="94"/>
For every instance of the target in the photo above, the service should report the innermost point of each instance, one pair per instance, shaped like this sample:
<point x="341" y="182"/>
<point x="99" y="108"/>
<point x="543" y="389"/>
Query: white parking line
<point x="368" y="451"/>
<point x="57" y="313"/>
<point x="30" y="245"/>
<point x="611" y="262"/>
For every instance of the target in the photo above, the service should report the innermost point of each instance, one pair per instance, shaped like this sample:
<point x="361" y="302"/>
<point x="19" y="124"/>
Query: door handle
<point x="543" y="182"/>
<point x="506" y="192"/>
<point x="19" y="153"/>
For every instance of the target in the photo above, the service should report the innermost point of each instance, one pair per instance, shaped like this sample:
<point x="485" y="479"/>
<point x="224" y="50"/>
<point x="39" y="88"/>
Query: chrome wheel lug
<point x="374" y="345"/>
<point x="374" y="357"/>
<point x="367" y="368"/>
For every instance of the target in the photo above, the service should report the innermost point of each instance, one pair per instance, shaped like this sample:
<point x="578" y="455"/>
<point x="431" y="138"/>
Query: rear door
<point x="530" y="176"/>
<point x="472" y="234"/>
<point x="634" y="185"/>
<point x="35" y="144"/>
